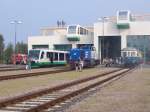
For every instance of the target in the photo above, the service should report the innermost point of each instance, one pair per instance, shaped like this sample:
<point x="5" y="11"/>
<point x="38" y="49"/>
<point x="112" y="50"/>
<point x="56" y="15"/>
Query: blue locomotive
<point x="87" y="54"/>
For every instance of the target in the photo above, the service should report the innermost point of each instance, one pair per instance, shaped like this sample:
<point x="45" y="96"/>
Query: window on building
<point x="40" y="46"/>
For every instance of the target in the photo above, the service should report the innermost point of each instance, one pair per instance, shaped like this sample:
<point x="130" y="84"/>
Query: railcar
<point x="86" y="54"/>
<point x="43" y="58"/>
<point x="77" y="33"/>
<point x="131" y="57"/>
<point x="132" y="61"/>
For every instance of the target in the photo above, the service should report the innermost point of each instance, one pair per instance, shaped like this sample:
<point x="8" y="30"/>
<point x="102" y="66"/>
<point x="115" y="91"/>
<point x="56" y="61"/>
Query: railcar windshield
<point x="123" y="15"/>
<point x="72" y="29"/>
<point x="34" y="54"/>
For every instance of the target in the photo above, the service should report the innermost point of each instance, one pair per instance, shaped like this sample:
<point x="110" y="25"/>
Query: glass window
<point x="40" y="46"/>
<point x="61" y="56"/>
<point x="34" y="54"/>
<point x="42" y="55"/>
<point x="67" y="56"/>
<point x="49" y="55"/>
<point x="124" y="54"/>
<point x="133" y="54"/>
<point x="72" y="30"/>
<point x="55" y="56"/>
<point x="78" y="30"/>
<point x="123" y="15"/>
<point x="84" y="31"/>
<point x="81" y="31"/>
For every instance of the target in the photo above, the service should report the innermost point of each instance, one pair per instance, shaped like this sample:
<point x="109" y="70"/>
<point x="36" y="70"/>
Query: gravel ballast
<point x="131" y="93"/>
<point x="15" y="87"/>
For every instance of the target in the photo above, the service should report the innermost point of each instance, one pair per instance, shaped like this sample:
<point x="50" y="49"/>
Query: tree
<point x="21" y="48"/>
<point x="8" y="53"/>
<point x="1" y="48"/>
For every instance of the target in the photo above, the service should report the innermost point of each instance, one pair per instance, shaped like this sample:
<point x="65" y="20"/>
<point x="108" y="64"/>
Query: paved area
<point x="128" y="94"/>
<point x="10" y="88"/>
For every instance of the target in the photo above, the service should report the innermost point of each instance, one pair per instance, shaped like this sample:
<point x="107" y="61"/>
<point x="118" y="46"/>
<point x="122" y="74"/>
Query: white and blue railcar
<point x="42" y="58"/>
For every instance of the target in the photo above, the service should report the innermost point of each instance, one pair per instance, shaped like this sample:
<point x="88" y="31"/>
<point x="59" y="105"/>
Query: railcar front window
<point x="34" y="54"/>
<point x="72" y="30"/>
<point x="123" y="15"/>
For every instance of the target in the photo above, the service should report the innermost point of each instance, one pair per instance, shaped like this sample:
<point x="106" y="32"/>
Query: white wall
<point x="56" y="39"/>
<point x="110" y="29"/>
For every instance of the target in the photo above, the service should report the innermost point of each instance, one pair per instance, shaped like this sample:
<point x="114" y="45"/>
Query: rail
<point x="4" y="105"/>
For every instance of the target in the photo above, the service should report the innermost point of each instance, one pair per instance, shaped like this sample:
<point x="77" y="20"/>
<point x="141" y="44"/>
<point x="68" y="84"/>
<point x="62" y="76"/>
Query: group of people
<point x="108" y="62"/>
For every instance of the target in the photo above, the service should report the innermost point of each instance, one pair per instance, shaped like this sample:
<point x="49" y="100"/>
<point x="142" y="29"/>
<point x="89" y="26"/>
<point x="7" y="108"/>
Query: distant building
<point x="62" y="38"/>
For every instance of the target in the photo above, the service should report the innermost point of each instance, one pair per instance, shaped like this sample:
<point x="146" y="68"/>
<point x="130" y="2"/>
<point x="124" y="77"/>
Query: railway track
<point x="49" y="99"/>
<point x="17" y="76"/>
<point x="10" y="69"/>
<point x="5" y="66"/>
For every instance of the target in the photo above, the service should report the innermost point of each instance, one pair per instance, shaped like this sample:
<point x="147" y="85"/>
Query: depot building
<point x="62" y="38"/>
<point x="109" y="35"/>
<point x="125" y="30"/>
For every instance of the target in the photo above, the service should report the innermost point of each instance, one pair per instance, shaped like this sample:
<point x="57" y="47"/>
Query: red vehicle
<point x="19" y="58"/>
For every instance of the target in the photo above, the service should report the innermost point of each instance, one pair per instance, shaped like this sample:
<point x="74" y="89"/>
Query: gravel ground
<point x="10" y="88"/>
<point x="131" y="93"/>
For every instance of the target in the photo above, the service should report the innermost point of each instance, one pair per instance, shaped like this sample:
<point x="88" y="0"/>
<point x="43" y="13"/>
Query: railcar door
<point x="42" y="56"/>
<point x="50" y="58"/>
<point x="62" y="58"/>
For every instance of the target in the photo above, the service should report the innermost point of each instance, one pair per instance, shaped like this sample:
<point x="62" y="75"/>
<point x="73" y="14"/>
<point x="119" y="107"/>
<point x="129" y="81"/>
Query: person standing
<point x="80" y="64"/>
<point x="28" y="66"/>
<point x="76" y="65"/>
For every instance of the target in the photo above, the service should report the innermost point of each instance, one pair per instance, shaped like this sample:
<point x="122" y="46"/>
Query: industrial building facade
<point x="113" y="34"/>
<point x="110" y="36"/>
<point x="57" y="38"/>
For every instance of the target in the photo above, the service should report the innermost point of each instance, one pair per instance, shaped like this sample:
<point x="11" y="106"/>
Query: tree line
<point x="6" y="51"/>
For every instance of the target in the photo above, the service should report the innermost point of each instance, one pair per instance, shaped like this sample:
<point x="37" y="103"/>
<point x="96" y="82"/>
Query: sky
<point x="36" y="14"/>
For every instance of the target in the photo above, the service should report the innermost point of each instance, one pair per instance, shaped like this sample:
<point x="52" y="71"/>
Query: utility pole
<point x="15" y="22"/>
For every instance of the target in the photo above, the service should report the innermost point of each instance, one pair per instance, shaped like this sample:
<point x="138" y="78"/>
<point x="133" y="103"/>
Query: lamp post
<point x="15" y="22"/>
<point x="102" y="19"/>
